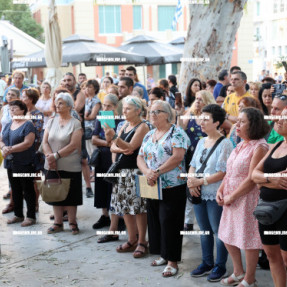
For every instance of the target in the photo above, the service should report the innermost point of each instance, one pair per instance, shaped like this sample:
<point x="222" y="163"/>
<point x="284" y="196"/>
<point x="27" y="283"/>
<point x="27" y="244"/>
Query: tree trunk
<point x="211" y="35"/>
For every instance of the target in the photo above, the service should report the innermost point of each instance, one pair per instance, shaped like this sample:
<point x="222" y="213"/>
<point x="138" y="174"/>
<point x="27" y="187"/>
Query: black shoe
<point x="89" y="192"/>
<point x="121" y="225"/>
<point x="102" y="222"/>
<point x="188" y="227"/>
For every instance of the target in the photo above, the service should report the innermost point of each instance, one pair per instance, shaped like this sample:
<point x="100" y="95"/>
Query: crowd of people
<point x="211" y="149"/>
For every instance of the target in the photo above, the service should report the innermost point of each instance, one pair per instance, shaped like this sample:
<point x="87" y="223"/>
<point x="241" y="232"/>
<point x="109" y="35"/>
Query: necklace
<point x="157" y="139"/>
<point x="63" y="122"/>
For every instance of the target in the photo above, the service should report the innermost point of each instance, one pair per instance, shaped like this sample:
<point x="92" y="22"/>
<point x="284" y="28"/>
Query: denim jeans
<point x="208" y="214"/>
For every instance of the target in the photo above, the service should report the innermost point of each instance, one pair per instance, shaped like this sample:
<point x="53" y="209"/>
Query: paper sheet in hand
<point x="107" y="117"/>
<point x="147" y="191"/>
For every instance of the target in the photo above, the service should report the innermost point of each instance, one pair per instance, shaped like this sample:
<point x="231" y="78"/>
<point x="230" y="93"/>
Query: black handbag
<point x="194" y="199"/>
<point x="268" y="212"/>
<point x="95" y="159"/>
<point x="88" y="133"/>
<point x="114" y="168"/>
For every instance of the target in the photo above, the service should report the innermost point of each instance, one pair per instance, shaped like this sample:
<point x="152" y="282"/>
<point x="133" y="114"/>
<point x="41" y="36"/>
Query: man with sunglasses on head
<point x="278" y="104"/>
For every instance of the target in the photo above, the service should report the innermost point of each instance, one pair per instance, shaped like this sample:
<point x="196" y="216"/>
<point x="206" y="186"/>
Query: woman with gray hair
<point x="162" y="155"/>
<point x="124" y="200"/>
<point x="62" y="149"/>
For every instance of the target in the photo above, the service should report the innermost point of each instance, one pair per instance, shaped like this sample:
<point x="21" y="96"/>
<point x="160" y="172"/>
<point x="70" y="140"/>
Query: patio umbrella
<point x="78" y="49"/>
<point x="155" y="52"/>
<point x="178" y="43"/>
<point x="53" y="47"/>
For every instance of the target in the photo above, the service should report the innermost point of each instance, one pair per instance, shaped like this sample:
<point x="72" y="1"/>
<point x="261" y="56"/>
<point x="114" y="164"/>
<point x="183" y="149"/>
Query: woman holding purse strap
<point x="62" y="149"/>
<point x="207" y="211"/>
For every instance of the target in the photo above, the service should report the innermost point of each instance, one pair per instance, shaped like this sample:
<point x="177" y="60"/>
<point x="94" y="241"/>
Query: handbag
<point x="194" y="199"/>
<point x="268" y="212"/>
<point x="54" y="190"/>
<point x="88" y="133"/>
<point x="95" y="159"/>
<point x="114" y="168"/>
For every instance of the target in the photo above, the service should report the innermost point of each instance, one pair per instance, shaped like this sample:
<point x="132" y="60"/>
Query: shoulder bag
<point x="54" y="190"/>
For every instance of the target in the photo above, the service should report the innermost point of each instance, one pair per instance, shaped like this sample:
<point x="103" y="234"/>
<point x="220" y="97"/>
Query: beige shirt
<point x="60" y="137"/>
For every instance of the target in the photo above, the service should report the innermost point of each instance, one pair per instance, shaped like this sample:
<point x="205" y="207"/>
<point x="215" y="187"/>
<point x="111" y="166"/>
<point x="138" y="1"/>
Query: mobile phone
<point x="178" y="99"/>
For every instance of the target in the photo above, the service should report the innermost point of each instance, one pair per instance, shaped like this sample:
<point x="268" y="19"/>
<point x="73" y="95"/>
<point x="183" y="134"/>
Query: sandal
<point x="108" y="238"/>
<point x="169" y="271"/>
<point x="75" y="230"/>
<point x="131" y="248"/>
<point x="8" y="208"/>
<point x="28" y="222"/>
<point x="236" y="280"/>
<point x="139" y="253"/>
<point x="15" y="219"/>
<point x="55" y="228"/>
<point x="246" y="284"/>
<point x="158" y="262"/>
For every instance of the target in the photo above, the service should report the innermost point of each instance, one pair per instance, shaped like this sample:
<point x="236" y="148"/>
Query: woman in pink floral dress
<point x="238" y="195"/>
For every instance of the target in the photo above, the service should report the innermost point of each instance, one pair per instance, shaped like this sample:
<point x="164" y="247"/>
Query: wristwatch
<point x="205" y="181"/>
<point x="158" y="171"/>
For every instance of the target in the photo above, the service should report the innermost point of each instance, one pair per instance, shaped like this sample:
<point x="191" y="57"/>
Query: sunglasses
<point x="201" y="160"/>
<point x="281" y="97"/>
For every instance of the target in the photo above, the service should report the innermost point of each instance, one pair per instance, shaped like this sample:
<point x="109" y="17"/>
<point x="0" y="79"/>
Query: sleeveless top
<point x="128" y="161"/>
<point x="273" y="165"/>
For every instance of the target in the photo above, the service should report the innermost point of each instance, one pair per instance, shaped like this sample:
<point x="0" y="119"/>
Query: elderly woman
<point x="208" y="212"/>
<point x="92" y="107"/>
<point x="238" y="195"/>
<point x="162" y="155"/>
<point x="62" y="148"/>
<point x="30" y="98"/>
<point x="273" y="189"/>
<point x="45" y="101"/>
<point x="124" y="200"/>
<point x="18" y="149"/>
<point x="5" y="118"/>
<point x="103" y="190"/>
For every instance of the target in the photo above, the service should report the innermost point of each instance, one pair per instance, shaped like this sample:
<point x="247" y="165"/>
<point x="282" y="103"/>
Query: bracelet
<point x="205" y="182"/>
<point x="55" y="156"/>
<point x="115" y="137"/>
<point x="2" y="147"/>
<point x="268" y="181"/>
<point x="58" y="154"/>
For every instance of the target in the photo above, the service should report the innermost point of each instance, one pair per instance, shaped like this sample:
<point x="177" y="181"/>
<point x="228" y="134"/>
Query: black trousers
<point x="23" y="187"/>
<point x="165" y="221"/>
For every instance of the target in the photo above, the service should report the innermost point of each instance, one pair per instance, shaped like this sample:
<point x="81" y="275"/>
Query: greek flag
<point x="177" y="14"/>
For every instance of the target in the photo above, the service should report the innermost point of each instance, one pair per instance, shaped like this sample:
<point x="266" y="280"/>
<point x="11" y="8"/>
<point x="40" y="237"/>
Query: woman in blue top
<point x="208" y="212"/>
<point x="162" y="155"/>
<point x="18" y="149"/>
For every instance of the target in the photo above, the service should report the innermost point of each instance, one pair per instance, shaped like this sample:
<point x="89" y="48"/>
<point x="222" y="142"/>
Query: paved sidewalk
<point x="62" y="259"/>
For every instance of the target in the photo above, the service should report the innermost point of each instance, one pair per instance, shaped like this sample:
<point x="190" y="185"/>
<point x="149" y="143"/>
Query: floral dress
<point x="238" y="226"/>
<point x="157" y="153"/>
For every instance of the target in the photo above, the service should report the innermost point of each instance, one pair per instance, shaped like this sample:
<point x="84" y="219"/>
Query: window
<point x="281" y="9"/>
<point x="162" y="71"/>
<point x="110" y="19"/>
<point x="165" y="17"/>
<point x="174" y="69"/>
<point x="279" y="51"/>
<point x="273" y="51"/>
<point x="285" y="53"/>
<point x="275" y="6"/>
<point x="137" y="17"/>
<point x="258" y="8"/>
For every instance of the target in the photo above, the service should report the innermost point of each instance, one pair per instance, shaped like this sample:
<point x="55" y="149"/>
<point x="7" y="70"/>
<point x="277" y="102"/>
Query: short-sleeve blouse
<point x="216" y="162"/>
<point x="156" y="154"/>
<point x="89" y="105"/>
<point x="60" y="137"/>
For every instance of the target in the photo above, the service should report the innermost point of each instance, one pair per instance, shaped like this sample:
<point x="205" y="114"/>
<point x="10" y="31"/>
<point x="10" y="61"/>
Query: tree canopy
<point x="20" y="16"/>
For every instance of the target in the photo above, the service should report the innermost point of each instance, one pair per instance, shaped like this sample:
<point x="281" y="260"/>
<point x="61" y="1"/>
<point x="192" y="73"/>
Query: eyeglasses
<point x="201" y="160"/>
<point x="156" y="112"/>
<point x="281" y="97"/>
